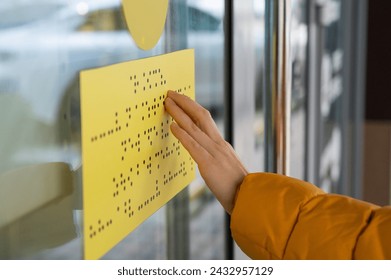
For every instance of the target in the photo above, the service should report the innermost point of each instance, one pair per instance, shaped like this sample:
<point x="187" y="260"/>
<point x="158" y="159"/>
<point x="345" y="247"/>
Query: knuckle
<point x="194" y="127"/>
<point x="203" y="115"/>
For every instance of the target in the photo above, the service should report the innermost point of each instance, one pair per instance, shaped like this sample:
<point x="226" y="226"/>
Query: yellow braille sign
<point x="132" y="164"/>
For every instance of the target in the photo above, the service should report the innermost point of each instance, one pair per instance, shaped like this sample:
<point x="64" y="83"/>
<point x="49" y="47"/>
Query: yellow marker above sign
<point x="145" y="20"/>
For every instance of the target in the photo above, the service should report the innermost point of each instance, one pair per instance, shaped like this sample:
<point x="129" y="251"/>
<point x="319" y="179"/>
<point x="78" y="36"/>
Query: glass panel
<point x="206" y="36"/>
<point x="44" y="45"/>
<point x="331" y="96"/>
<point x="259" y="49"/>
<point x="334" y="114"/>
<point x="299" y="42"/>
<point x="248" y="36"/>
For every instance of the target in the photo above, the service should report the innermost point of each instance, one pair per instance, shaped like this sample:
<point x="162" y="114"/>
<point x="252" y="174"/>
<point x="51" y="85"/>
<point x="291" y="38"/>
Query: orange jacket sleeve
<point x="278" y="217"/>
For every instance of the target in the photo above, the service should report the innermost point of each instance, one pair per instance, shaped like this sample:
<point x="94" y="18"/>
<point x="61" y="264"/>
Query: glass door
<point x="317" y="133"/>
<point x="43" y="47"/>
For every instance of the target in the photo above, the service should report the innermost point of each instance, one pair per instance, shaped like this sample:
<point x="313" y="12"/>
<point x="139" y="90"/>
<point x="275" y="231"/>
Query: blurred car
<point x="42" y="56"/>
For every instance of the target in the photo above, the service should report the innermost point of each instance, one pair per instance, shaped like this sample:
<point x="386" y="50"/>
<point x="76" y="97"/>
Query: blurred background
<point x="337" y="132"/>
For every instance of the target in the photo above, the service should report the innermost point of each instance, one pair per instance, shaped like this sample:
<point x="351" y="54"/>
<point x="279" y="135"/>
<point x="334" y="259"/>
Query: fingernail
<point x="171" y="92"/>
<point x="168" y="99"/>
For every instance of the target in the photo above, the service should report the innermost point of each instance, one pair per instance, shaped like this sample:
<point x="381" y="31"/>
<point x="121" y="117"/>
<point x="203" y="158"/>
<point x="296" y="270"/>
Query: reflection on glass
<point x="206" y="36"/>
<point x="331" y="97"/>
<point x="43" y="47"/>
<point x="259" y="49"/>
<point x="299" y="42"/>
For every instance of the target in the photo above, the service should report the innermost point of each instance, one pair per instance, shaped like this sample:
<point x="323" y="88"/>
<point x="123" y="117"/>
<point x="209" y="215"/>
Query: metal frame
<point x="278" y="76"/>
<point x="228" y="102"/>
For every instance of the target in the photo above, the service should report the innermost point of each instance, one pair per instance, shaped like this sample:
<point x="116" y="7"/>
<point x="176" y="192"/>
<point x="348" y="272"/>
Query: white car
<point x="41" y="58"/>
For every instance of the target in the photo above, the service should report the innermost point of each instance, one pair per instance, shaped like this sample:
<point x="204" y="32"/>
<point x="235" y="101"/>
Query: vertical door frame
<point x="277" y="86"/>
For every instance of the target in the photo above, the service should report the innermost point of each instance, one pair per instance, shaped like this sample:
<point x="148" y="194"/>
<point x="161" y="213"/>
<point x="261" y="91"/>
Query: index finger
<point x="200" y="116"/>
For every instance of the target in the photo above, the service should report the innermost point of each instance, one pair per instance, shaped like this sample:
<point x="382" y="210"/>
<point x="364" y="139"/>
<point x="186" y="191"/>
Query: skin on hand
<point x="217" y="162"/>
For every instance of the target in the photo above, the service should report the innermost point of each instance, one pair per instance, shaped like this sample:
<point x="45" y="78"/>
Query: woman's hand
<point x="217" y="161"/>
